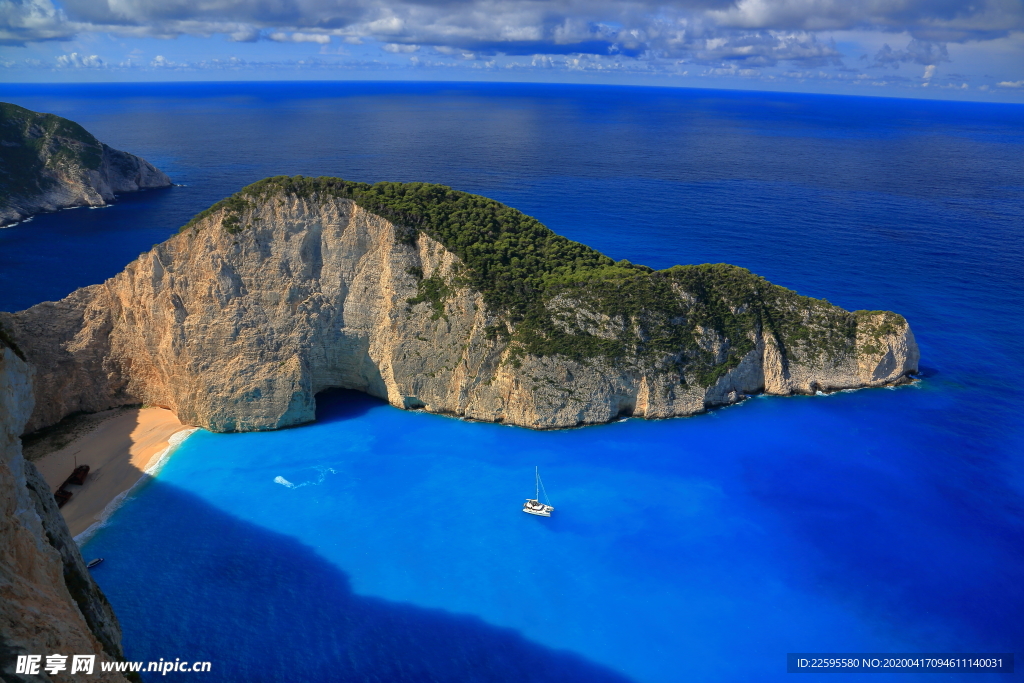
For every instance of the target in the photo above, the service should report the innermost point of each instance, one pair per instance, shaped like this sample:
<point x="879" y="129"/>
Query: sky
<point x="939" y="49"/>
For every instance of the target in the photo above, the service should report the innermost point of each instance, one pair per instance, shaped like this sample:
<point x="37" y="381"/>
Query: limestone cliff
<point x="451" y="303"/>
<point x="48" y="601"/>
<point x="49" y="163"/>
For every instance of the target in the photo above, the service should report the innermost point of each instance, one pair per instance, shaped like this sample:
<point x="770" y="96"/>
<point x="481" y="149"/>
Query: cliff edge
<point x="49" y="163"/>
<point x="50" y="604"/>
<point x="431" y="299"/>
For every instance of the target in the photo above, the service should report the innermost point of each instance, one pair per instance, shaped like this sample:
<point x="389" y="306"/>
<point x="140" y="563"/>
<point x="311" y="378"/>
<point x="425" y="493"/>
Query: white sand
<point x="118" y="452"/>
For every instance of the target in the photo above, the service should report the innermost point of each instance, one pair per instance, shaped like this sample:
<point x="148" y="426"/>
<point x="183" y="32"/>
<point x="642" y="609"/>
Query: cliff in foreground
<point x="433" y="299"/>
<point x="50" y="604"/>
<point x="49" y="163"/>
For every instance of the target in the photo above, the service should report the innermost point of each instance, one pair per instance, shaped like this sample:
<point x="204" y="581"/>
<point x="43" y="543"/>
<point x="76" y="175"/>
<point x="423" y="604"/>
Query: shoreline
<point x="122" y="451"/>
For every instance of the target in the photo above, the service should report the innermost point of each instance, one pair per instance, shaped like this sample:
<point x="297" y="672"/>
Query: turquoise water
<point x="698" y="549"/>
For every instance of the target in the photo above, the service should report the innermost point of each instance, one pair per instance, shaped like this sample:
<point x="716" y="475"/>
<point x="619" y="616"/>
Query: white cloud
<point x="76" y="61"/>
<point x="245" y="35"/>
<point x="1010" y="84"/>
<point x="917" y="51"/>
<point x="951" y="20"/>
<point x="299" y="37"/>
<point x="767" y="49"/>
<point x="398" y="48"/>
<point x="161" y="62"/>
<point x="26" y="21"/>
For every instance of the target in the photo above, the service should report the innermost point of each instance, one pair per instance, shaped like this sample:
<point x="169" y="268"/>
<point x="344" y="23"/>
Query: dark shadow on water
<point x="56" y="253"/>
<point x="335" y="405"/>
<point x="203" y="585"/>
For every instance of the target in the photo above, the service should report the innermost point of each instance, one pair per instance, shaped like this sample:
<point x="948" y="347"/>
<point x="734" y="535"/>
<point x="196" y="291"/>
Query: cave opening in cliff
<point x="334" y="404"/>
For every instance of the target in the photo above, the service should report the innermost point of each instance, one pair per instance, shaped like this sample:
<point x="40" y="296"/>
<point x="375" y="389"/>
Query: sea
<point x="378" y="545"/>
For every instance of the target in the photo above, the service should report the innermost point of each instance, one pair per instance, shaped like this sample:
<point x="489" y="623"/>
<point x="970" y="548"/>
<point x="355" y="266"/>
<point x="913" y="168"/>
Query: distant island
<point x="49" y="163"/>
<point x="431" y="299"/>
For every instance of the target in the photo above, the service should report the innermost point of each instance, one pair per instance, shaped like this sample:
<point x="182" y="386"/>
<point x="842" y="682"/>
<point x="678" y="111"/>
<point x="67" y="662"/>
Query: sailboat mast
<point x="536" y="474"/>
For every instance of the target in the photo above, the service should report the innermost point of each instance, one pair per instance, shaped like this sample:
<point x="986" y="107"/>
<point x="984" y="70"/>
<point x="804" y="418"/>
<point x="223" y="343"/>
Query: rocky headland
<point x="49" y="163"/>
<point x="48" y="601"/>
<point x="431" y="299"/>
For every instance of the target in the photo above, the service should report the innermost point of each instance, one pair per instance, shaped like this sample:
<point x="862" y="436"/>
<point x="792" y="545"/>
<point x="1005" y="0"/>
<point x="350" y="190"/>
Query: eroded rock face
<point x="49" y="163"/>
<point x="48" y="602"/>
<point x="238" y="330"/>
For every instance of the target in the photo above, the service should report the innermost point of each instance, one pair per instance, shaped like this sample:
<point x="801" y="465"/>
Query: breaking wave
<point x="159" y="461"/>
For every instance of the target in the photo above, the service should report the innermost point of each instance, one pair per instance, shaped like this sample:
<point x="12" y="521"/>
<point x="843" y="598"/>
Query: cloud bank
<point x="909" y="40"/>
<point x="747" y="32"/>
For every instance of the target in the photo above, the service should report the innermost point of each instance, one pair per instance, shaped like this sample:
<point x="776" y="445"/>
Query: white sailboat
<point x="533" y="505"/>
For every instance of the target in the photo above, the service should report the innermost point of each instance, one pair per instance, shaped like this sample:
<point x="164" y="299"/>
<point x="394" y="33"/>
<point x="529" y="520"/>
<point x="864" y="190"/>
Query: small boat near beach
<point x="533" y="506"/>
<point x="78" y="476"/>
<point x="93" y="563"/>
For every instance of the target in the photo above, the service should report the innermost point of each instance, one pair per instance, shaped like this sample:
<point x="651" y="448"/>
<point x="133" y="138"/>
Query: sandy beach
<point x="118" y="451"/>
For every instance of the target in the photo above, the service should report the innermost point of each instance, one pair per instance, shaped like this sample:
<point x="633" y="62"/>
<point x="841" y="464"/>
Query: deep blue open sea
<point x="389" y="546"/>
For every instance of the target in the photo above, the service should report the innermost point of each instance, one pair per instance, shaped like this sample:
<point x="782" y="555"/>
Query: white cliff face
<point x="239" y="331"/>
<point x="49" y="602"/>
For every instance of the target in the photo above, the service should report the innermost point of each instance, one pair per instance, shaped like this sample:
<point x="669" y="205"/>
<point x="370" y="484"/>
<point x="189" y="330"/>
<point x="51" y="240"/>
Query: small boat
<point x="533" y="506"/>
<point x="93" y="563"/>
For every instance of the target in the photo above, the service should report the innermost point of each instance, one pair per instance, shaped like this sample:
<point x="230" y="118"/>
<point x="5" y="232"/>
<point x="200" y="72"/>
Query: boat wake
<point x="324" y="471"/>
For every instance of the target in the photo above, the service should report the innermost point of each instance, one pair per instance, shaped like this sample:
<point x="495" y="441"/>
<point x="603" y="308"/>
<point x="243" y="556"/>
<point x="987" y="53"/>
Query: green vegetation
<point x="37" y="147"/>
<point x="435" y="290"/>
<point x="556" y="296"/>
<point x="233" y="207"/>
<point x="877" y="329"/>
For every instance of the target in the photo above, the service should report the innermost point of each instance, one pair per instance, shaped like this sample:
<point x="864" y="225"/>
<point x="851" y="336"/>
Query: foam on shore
<point x="156" y="464"/>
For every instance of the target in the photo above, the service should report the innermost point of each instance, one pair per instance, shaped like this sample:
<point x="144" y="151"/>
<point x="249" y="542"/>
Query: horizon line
<point x="463" y="82"/>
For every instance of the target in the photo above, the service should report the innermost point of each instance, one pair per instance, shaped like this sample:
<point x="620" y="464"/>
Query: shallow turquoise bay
<point x="719" y="534"/>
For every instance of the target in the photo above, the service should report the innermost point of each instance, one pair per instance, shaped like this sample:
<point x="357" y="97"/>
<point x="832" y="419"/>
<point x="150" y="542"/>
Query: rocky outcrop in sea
<point x="49" y="163"/>
<point x="430" y="299"/>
